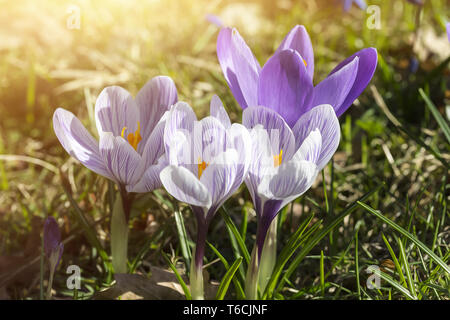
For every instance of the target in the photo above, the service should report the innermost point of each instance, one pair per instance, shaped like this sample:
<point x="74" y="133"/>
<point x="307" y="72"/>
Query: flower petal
<point x="239" y="66"/>
<point x="184" y="186"/>
<point x="311" y="148"/>
<point x="155" y="98"/>
<point x="121" y="159"/>
<point x="284" y="86"/>
<point x="298" y="40"/>
<point x="323" y="118"/>
<point x="217" y="110"/>
<point x="150" y="179"/>
<point x="288" y="181"/>
<point x="220" y="177"/>
<point x="281" y="137"/>
<point x="336" y="87"/>
<point x="115" y="109"/>
<point x="366" y="68"/>
<point x="78" y="142"/>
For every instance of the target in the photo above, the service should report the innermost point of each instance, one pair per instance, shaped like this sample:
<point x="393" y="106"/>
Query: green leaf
<point x="437" y="115"/>
<point x="184" y="241"/>
<point x="187" y="293"/>
<point x="395" y="226"/>
<point x="232" y="227"/>
<point x="225" y="283"/>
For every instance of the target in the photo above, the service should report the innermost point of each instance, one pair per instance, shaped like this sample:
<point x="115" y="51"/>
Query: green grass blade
<point x="396" y="227"/>
<point x="225" y="283"/>
<point x="437" y="115"/>
<point x="321" y="234"/>
<point x="411" y="286"/>
<point x="232" y="227"/>
<point x="394" y="258"/>
<point x="184" y="241"/>
<point x="394" y="283"/>
<point x="186" y="291"/>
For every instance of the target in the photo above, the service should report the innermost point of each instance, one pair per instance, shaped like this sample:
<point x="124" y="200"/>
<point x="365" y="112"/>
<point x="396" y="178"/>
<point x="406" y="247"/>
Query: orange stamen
<point x="133" y="138"/>
<point x="277" y="159"/>
<point x="201" y="167"/>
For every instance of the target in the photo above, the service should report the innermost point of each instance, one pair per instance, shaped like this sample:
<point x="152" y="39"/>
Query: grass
<point x="381" y="202"/>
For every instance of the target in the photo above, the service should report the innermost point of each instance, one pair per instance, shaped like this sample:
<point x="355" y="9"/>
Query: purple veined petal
<point x="238" y="138"/>
<point x="153" y="100"/>
<point x="124" y="163"/>
<point x="150" y="179"/>
<point x="239" y="66"/>
<point x="323" y="118"/>
<point x="217" y="110"/>
<point x="209" y="140"/>
<point x="52" y="236"/>
<point x="289" y="181"/>
<point x="115" y="109"/>
<point x="281" y="137"/>
<point x="298" y="40"/>
<point x="183" y="185"/>
<point x="311" y="148"/>
<point x="154" y="148"/>
<point x="360" y="3"/>
<point x="178" y="132"/>
<point x="219" y="178"/>
<point x="78" y="142"/>
<point x="335" y="88"/>
<point x="367" y="64"/>
<point x="284" y="86"/>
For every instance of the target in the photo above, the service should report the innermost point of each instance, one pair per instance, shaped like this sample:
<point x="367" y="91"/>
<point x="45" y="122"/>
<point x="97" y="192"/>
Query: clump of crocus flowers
<point x="289" y="132"/>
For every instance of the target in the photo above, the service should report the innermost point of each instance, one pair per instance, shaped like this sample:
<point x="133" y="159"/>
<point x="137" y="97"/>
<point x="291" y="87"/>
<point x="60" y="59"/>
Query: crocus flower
<point x="286" y="161"/>
<point x="416" y="2"/>
<point x="208" y="161"/>
<point x="212" y="18"/>
<point x="360" y="3"/>
<point x="285" y="83"/>
<point x="130" y="149"/>
<point x="53" y="249"/>
<point x="448" y="31"/>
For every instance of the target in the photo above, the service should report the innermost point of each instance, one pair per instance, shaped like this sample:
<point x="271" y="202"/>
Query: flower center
<point x="304" y="61"/>
<point x="277" y="159"/>
<point x="133" y="138"/>
<point x="202" y="165"/>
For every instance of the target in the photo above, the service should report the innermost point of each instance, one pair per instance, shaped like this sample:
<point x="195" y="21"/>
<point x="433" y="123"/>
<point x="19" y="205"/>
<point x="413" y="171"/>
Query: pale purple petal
<point x="217" y="110"/>
<point x="209" y="139"/>
<point x="154" y="147"/>
<point x="121" y="159"/>
<point x="336" y="87"/>
<point x="150" y="179"/>
<point x="239" y="66"/>
<point x="115" y="109"/>
<point x="448" y="31"/>
<point x="185" y="187"/>
<point x="219" y="178"/>
<point x="311" y="148"/>
<point x="78" y="142"/>
<point x="285" y="87"/>
<point x="215" y="20"/>
<point x="281" y="137"/>
<point x="155" y="98"/>
<point x="298" y="40"/>
<point x="323" y="118"/>
<point x="366" y="68"/>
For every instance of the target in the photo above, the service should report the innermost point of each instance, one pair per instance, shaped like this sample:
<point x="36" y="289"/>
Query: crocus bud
<point x="53" y="247"/>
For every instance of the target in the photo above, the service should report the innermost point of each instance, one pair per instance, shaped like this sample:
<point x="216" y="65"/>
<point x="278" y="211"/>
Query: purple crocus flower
<point x="212" y="18"/>
<point x="130" y="151"/>
<point x="208" y="161"/>
<point x="53" y="247"/>
<point x="448" y="31"/>
<point x="286" y="161"/>
<point x="360" y="3"/>
<point x="416" y="2"/>
<point x="285" y="83"/>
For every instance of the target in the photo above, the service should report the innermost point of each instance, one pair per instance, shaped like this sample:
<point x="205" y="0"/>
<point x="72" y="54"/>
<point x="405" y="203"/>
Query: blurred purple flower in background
<point x="360" y="3"/>
<point x="448" y="31"/>
<point x="285" y="83"/>
<point x="53" y="247"/>
<point x="131" y="145"/>
<point x="416" y="2"/>
<point x="215" y="20"/>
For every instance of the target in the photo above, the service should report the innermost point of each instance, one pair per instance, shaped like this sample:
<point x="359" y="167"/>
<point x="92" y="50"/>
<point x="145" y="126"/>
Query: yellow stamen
<point x="133" y="138"/>
<point x="277" y="159"/>
<point x="201" y="167"/>
<point x="304" y="61"/>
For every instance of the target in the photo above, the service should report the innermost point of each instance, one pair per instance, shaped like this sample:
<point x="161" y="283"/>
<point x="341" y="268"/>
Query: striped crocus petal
<point x="322" y="118"/>
<point x="153" y="100"/>
<point x="115" y="109"/>
<point x="122" y="161"/>
<point x="217" y="110"/>
<point x="78" y="142"/>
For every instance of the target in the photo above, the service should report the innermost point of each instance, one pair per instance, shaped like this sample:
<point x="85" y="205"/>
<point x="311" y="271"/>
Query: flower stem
<point x="196" y="276"/>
